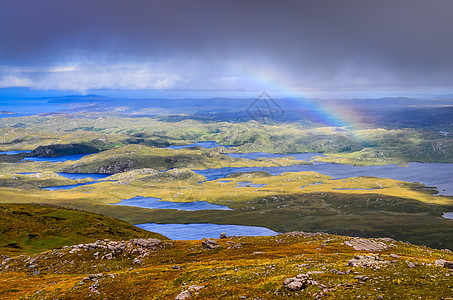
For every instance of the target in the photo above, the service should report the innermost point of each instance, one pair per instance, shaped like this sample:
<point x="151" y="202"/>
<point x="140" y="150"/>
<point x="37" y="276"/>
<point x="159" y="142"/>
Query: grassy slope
<point x="34" y="228"/>
<point x="240" y="267"/>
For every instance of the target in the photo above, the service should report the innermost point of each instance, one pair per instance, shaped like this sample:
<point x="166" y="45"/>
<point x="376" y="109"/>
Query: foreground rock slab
<point x="366" y="245"/>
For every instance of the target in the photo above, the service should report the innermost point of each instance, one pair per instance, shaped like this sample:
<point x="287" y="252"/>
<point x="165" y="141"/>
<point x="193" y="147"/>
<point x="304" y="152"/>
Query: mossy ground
<point x="250" y="267"/>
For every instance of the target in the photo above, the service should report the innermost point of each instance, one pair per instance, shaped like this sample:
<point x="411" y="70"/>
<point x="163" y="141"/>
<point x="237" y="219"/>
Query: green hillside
<point x="40" y="227"/>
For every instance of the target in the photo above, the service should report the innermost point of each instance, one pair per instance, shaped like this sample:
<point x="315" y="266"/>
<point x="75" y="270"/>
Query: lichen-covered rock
<point x="444" y="263"/>
<point x="209" y="244"/>
<point x="133" y="246"/>
<point x="448" y="264"/>
<point x="366" y="245"/>
<point x="184" y="295"/>
<point x="299" y="282"/>
<point x="194" y="287"/>
<point x="440" y="262"/>
<point x="302" y="233"/>
<point x="368" y="261"/>
<point x="295" y="286"/>
<point x="137" y="261"/>
<point x="108" y="256"/>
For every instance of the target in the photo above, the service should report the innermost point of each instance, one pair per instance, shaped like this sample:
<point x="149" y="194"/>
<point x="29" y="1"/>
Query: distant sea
<point x="23" y="101"/>
<point x="25" y="107"/>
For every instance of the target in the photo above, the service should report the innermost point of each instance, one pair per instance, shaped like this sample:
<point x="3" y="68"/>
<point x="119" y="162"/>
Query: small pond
<point x="448" y="215"/>
<point x="242" y="184"/>
<point x="199" y="231"/>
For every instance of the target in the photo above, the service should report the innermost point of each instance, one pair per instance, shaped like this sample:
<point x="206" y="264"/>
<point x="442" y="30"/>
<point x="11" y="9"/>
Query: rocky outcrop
<point x="249" y="175"/>
<point x="95" y="278"/>
<point x="302" y="233"/>
<point x="299" y="282"/>
<point x="369" y="261"/>
<point x="63" y="149"/>
<point x="366" y="245"/>
<point x="444" y="263"/>
<point x="141" y="247"/>
<point x="188" y="293"/>
<point x="209" y="244"/>
<point x="180" y="174"/>
<point x="183" y="295"/>
<point x="117" y="166"/>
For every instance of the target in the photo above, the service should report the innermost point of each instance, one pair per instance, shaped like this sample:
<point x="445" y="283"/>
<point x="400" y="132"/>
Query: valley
<point x="86" y="179"/>
<point x="342" y="188"/>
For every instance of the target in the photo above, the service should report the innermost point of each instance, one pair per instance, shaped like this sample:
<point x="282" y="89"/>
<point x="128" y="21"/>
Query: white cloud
<point x="182" y="73"/>
<point x="89" y="76"/>
<point x="14" y="81"/>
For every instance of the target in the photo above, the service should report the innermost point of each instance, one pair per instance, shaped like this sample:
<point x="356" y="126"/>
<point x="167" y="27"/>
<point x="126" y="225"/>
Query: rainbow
<point x="324" y="111"/>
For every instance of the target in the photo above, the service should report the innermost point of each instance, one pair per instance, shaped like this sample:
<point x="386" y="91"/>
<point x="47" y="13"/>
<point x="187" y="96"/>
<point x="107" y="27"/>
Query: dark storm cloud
<point x="336" y="42"/>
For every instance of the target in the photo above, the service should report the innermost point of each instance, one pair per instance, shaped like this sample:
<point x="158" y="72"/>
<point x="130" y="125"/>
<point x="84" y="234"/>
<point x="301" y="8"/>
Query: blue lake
<point x="94" y="176"/>
<point x="204" y="230"/>
<point x="154" y="203"/>
<point x="57" y="159"/>
<point x="255" y="155"/>
<point x="14" y="152"/>
<point x="431" y="174"/>
<point x="207" y="144"/>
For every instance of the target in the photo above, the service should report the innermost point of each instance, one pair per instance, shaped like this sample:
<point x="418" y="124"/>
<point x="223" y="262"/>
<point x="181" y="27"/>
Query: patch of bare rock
<point x="141" y="247"/>
<point x="95" y="279"/>
<point x="299" y="282"/>
<point x="302" y="233"/>
<point x="209" y="244"/>
<point x="366" y="245"/>
<point x="368" y="261"/>
<point x="188" y="293"/>
<point x="444" y="263"/>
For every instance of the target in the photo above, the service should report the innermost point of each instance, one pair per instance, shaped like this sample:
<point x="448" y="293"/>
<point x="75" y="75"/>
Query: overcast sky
<point x="311" y="45"/>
